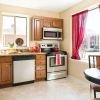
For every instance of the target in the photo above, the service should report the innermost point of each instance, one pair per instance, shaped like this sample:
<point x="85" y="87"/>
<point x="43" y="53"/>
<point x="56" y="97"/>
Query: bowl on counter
<point x="34" y="49"/>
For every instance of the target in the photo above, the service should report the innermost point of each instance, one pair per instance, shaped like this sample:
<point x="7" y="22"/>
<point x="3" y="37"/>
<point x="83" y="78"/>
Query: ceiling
<point x="48" y="5"/>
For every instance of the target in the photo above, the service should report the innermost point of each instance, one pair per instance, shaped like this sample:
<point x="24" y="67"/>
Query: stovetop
<point x="58" y="52"/>
<point x="52" y="49"/>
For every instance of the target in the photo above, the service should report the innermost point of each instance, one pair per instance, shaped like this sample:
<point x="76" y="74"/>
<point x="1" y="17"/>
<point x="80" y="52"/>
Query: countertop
<point x="21" y="53"/>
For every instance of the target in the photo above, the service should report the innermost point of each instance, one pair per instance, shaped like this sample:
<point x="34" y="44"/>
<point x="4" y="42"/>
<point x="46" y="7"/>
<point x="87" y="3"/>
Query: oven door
<point x="51" y="63"/>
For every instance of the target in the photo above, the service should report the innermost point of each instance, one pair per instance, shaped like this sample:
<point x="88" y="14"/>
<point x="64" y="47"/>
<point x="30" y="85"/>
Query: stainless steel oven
<point x="55" y="71"/>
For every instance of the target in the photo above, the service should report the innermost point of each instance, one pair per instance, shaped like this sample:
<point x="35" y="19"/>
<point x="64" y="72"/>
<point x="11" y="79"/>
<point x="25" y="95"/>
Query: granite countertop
<point x="21" y="53"/>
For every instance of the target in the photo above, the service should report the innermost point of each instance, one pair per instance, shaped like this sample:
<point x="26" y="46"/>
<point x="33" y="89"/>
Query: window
<point x="14" y="27"/>
<point x="91" y="42"/>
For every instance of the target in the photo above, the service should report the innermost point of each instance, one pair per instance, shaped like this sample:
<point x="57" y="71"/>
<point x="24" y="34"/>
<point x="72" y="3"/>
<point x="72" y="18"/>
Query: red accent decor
<point x="58" y="59"/>
<point x="78" y="28"/>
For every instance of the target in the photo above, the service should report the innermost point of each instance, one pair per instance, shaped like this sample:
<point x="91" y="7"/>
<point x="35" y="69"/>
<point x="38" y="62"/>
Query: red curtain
<point x="78" y="29"/>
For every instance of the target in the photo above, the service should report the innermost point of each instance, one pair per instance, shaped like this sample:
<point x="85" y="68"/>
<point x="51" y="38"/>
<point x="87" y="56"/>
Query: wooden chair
<point x="94" y="61"/>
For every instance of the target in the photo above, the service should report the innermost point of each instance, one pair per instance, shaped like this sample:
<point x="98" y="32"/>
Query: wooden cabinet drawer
<point x="40" y="67"/>
<point x="41" y="56"/>
<point x="5" y="59"/>
<point x="40" y="62"/>
<point x="40" y="74"/>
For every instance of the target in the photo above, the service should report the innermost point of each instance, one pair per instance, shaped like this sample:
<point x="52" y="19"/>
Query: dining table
<point x="92" y="75"/>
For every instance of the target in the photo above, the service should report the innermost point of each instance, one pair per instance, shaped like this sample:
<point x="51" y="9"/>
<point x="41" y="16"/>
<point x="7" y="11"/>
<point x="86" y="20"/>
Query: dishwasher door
<point x="23" y="69"/>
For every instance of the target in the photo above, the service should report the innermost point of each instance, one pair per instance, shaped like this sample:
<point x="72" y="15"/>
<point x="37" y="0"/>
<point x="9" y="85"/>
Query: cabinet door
<point x="47" y="22"/>
<point x="0" y="71"/>
<point x="36" y="29"/>
<point x="58" y="23"/>
<point x="6" y="73"/>
<point x="53" y="22"/>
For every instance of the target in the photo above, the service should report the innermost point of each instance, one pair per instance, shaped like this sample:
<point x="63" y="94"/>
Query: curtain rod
<point x="88" y="10"/>
<point x="93" y="9"/>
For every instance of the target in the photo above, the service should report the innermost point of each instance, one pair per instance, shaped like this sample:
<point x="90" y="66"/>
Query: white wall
<point x="26" y="12"/>
<point x="76" y="68"/>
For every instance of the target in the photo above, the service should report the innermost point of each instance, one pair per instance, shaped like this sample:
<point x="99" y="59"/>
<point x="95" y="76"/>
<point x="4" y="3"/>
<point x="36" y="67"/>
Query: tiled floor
<point x="62" y="89"/>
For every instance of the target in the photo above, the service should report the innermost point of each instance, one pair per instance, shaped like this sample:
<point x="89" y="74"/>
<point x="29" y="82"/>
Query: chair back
<point x="94" y="61"/>
<point x="98" y="62"/>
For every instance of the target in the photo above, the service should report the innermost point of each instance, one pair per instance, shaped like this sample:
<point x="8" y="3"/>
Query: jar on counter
<point x="3" y="51"/>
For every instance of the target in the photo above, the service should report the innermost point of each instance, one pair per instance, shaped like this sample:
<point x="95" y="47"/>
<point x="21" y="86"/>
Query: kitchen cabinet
<point x="39" y="22"/>
<point x="47" y="22"/>
<point x="53" y="22"/>
<point x="40" y="70"/>
<point x="36" y="28"/>
<point x="5" y="71"/>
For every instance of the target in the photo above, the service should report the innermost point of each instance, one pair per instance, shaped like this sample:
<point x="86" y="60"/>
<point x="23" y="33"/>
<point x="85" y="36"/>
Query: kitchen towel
<point x="58" y="59"/>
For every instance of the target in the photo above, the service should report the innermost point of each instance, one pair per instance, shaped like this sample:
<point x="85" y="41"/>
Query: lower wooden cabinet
<point x="40" y="74"/>
<point x="6" y="76"/>
<point x="40" y="71"/>
<point x="5" y="71"/>
<point x="40" y="67"/>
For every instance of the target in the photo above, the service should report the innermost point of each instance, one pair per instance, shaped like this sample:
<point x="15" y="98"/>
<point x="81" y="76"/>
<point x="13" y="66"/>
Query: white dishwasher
<point x="23" y="69"/>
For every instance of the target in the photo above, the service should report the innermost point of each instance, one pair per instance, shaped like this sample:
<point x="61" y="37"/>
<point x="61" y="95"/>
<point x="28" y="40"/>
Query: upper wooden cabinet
<point x="47" y="22"/>
<point x="53" y="22"/>
<point x="39" y="22"/>
<point x="36" y="29"/>
<point x="58" y="23"/>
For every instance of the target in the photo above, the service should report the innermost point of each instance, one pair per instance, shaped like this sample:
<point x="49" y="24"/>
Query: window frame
<point x="27" y="28"/>
<point x="89" y="50"/>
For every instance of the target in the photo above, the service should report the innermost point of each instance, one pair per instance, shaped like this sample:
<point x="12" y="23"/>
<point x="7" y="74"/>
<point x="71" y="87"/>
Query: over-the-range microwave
<point x="52" y="33"/>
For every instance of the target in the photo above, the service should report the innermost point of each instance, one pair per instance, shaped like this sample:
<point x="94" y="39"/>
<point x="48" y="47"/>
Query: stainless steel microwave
<point x="52" y="33"/>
